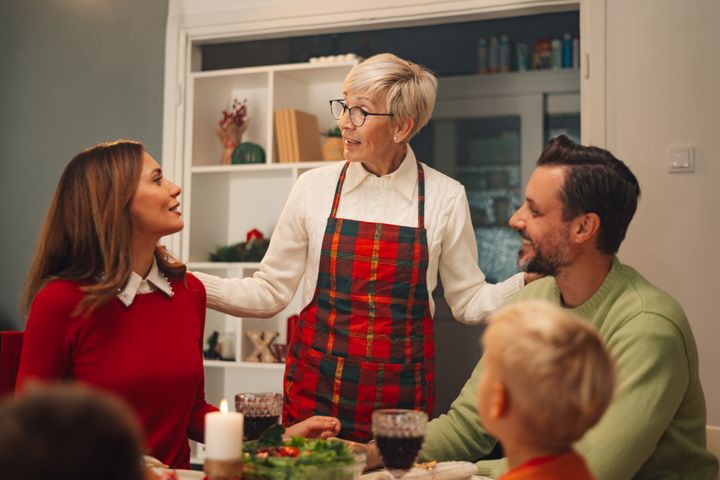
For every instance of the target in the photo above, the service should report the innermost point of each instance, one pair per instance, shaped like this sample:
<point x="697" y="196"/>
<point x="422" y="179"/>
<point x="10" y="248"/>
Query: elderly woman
<point x="367" y="238"/>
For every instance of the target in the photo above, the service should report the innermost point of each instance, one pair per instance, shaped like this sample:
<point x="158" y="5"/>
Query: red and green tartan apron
<point x="365" y="341"/>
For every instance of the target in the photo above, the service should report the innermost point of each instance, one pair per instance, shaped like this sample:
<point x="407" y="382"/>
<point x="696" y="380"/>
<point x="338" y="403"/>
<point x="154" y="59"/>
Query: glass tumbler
<point x="399" y="435"/>
<point x="260" y="412"/>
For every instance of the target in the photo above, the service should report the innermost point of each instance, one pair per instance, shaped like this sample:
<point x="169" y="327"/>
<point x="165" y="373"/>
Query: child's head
<point x="67" y="432"/>
<point x="548" y="377"/>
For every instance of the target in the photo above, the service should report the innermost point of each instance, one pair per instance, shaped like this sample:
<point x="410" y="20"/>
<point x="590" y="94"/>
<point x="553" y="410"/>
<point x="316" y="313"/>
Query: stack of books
<point x="297" y="135"/>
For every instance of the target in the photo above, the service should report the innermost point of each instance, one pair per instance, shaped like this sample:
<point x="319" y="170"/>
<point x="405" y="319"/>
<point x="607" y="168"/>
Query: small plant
<point x="251" y="250"/>
<point x="236" y="114"/>
<point x="333" y="132"/>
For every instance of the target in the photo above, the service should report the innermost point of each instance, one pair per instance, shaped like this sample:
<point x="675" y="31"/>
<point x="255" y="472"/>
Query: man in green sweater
<point x="578" y="205"/>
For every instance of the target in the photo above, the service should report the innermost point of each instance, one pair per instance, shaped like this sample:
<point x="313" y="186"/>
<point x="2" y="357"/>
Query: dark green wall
<point x="72" y="73"/>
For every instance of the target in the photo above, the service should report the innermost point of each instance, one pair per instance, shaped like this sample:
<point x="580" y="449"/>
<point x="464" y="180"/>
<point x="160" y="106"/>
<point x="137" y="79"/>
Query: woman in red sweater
<point x="108" y="306"/>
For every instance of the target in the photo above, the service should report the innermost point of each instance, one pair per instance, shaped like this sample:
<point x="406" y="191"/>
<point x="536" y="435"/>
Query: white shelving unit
<point x="226" y="201"/>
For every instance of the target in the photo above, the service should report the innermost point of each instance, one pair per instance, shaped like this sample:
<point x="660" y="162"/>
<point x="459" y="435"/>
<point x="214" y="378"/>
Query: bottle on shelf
<point x="576" y="52"/>
<point x="521" y="54"/>
<point x="482" y="56"/>
<point x="504" y="53"/>
<point x="494" y="55"/>
<point x="556" y="53"/>
<point x="567" y="51"/>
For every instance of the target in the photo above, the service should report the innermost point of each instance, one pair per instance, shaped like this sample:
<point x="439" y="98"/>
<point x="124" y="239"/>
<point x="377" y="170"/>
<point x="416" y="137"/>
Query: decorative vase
<point x="332" y="148"/>
<point x="248" y="152"/>
<point x="231" y="137"/>
<point x="227" y="152"/>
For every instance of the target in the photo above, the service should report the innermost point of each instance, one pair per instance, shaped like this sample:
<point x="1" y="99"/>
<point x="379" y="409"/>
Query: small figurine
<point x="261" y="341"/>
<point x="213" y="350"/>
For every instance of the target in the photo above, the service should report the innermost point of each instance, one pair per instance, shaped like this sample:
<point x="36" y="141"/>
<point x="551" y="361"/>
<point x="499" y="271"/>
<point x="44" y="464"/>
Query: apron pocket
<point x="343" y="385"/>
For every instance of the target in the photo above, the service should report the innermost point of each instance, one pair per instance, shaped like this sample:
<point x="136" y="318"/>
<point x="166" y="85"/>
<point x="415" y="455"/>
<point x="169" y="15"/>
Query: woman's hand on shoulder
<point x="315" y="427"/>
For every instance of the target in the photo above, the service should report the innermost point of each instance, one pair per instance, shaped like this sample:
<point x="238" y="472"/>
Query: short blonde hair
<point x="408" y="88"/>
<point x="558" y="373"/>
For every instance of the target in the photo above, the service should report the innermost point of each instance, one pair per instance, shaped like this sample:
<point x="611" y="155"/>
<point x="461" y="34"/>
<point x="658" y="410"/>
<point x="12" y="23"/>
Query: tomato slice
<point x="288" y="451"/>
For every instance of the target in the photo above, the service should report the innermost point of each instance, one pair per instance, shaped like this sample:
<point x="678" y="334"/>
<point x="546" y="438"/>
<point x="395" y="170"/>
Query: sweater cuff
<point x="213" y="287"/>
<point x="492" y="468"/>
<point x="509" y="287"/>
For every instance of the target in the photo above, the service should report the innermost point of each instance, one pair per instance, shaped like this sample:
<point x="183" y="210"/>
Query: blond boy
<point x="547" y="379"/>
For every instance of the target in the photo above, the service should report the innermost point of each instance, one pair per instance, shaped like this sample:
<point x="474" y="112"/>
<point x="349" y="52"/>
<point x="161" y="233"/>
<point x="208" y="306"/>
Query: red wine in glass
<point x="399" y="453"/>
<point x="399" y="435"/>
<point x="255" y="426"/>
<point x="260" y="411"/>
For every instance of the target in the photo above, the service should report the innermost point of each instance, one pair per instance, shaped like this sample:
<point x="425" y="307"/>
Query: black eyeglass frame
<point x="350" y="110"/>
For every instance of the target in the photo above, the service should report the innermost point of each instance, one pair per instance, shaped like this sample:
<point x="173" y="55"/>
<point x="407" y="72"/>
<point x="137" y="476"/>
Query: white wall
<point x="663" y="83"/>
<point x="72" y="73"/>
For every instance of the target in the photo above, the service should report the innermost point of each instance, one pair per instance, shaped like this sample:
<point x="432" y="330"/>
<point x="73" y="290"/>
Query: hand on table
<point x="315" y="427"/>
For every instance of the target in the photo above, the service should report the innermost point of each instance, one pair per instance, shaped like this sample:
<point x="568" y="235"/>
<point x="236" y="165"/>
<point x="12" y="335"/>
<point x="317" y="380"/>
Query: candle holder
<point x="223" y="469"/>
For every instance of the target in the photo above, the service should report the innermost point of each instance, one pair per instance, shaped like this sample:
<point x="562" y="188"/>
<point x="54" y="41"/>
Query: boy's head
<point x="548" y="377"/>
<point x="65" y="432"/>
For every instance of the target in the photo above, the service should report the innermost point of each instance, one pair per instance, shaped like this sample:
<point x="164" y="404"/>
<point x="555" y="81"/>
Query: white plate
<point x="183" y="474"/>
<point x="440" y="471"/>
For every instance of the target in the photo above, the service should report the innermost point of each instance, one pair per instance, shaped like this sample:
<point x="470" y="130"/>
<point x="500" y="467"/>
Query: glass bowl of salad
<point x="272" y="458"/>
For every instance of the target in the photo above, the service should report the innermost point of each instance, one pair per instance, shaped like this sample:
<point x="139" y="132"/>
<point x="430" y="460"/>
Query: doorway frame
<point x="192" y="23"/>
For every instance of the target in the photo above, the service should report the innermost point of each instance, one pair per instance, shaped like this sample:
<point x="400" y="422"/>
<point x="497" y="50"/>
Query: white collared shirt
<point x="137" y="285"/>
<point x="293" y="257"/>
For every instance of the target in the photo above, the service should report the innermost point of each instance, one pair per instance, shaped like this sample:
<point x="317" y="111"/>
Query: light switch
<point x="682" y="159"/>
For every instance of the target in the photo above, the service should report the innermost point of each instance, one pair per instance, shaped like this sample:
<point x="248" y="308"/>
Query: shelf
<point x="313" y="71"/>
<point x="250" y="365"/>
<point x="500" y="84"/>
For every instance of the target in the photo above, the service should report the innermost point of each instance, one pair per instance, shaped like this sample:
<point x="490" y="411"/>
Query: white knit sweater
<point x="294" y="252"/>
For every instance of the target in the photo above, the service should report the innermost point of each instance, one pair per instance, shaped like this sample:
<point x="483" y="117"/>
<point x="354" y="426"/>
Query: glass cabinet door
<point x="490" y="146"/>
<point x="562" y="116"/>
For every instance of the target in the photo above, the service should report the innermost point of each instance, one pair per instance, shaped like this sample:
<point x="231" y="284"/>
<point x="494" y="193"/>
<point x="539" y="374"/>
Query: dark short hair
<point x="595" y="182"/>
<point x="65" y="432"/>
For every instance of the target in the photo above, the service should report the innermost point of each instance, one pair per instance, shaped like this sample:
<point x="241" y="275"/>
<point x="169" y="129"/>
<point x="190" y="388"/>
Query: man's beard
<point x="545" y="261"/>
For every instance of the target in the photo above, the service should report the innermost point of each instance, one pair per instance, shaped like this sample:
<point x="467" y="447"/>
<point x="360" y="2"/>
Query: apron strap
<point x="338" y="189"/>
<point x="421" y="196"/>
<point x="421" y="193"/>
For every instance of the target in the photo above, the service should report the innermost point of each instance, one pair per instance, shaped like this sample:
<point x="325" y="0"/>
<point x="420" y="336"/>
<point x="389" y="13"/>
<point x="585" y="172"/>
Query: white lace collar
<point x="155" y="280"/>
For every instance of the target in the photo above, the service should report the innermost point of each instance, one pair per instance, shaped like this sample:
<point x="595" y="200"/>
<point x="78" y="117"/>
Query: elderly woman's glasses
<point x="357" y="114"/>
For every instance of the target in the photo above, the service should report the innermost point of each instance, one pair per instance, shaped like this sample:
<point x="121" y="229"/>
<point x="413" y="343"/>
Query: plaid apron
<point x="365" y="341"/>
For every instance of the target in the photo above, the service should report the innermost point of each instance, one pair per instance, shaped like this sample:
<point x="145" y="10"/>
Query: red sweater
<point x="149" y="354"/>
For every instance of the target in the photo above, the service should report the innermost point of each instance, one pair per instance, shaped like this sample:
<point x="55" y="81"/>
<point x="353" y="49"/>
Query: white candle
<point x="223" y="434"/>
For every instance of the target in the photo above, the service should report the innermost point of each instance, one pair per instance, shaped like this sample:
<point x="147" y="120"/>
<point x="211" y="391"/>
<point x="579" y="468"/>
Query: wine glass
<point x="260" y="412"/>
<point x="399" y="435"/>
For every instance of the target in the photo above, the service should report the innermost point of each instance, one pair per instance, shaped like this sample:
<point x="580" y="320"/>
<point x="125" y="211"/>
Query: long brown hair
<point x="87" y="233"/>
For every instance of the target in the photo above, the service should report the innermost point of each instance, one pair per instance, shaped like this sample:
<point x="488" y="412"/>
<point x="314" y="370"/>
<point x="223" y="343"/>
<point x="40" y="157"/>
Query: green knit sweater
<point x="655" y="426"/>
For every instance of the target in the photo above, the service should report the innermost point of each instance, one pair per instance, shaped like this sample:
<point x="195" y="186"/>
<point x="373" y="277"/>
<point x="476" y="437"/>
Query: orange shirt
<point x="570" y="466"/>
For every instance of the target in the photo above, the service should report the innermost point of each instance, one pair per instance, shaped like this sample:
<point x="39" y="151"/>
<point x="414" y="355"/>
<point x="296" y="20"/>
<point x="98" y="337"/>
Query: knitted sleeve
<point x="466" y="290"/>
<point x="458" y="435"/>
<point x="653" y="372"/>
<point x="272" y="287"/>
